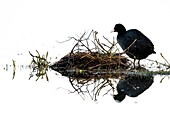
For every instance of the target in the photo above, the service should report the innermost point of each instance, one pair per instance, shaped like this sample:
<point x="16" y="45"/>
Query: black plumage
<point x="132" y="86"/>
<point x="135" y="43"/>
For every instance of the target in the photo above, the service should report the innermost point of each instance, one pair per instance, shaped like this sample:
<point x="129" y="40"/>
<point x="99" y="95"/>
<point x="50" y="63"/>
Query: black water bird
<point x="132" y="86"/>
<point x="135" y="44"/>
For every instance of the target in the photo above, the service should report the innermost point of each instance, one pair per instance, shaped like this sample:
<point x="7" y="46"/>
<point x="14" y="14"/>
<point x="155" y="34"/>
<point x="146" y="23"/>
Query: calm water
<point x="22" y="94"/>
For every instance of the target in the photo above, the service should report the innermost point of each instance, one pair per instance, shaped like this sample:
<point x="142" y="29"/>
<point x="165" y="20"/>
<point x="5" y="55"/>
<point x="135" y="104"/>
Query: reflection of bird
<point x="134" y="43"/>
<point x="132" y="86"/>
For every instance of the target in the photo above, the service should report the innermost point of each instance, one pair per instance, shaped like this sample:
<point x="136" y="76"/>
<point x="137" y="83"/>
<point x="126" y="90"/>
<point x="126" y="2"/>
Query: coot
<point x="132" y="86"/>
<point x="134" y="43"/>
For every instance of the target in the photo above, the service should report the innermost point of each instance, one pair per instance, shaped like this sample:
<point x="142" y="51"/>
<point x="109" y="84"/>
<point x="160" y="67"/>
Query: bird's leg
<point x="139" y="63"/>
<point x="134" y="63"/>
<point x="139" y="66"/>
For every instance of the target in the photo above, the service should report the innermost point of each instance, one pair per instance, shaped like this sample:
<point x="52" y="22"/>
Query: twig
<point x="128" y="47"/>
<point x="14" y="68"/>
<point x="80" y="41"/>
<point x="107" y="40"/>
<point x="165" y="59"/>
<point x="64" y="40"/>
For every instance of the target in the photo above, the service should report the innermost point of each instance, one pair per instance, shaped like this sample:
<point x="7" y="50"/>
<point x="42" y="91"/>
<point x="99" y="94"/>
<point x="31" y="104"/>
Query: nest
<point x="89" y="62"/>
<point x="87" y="65"/>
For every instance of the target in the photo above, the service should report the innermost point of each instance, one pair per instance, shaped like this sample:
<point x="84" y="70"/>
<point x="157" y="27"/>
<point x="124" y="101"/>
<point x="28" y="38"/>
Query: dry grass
<point x="39" y="65"/>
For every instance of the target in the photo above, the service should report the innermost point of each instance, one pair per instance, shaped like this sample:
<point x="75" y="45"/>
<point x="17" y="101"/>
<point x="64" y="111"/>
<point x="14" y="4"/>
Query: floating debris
<point x="39" y="65"/>
<point x="14" y="68"/>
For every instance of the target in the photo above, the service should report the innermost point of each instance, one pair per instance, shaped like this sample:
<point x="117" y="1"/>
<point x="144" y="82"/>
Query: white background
<point x="27" y="25"/>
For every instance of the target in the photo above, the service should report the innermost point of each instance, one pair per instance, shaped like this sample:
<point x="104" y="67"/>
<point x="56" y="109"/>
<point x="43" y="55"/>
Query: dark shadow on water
<point x="132" y="86"/>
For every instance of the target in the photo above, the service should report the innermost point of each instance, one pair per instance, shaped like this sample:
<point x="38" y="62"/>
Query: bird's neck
<point x="122" y="32"/>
